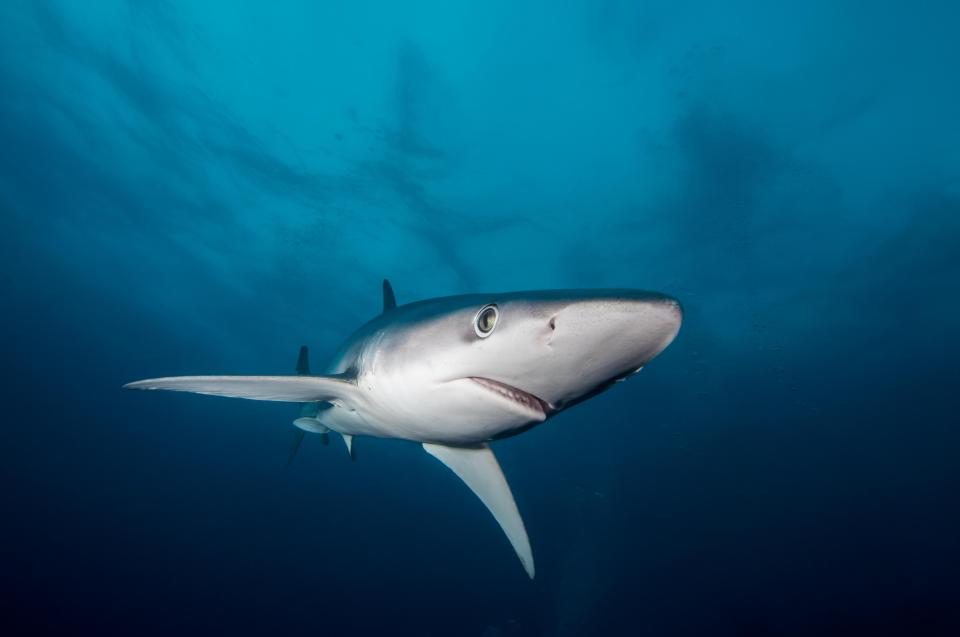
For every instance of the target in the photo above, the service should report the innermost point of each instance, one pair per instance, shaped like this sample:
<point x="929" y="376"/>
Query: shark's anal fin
<point x="389" y="300"/>
<point x="479" y="469"/>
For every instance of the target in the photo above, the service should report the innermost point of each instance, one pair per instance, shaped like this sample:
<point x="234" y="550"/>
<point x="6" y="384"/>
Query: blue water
<point x="202" y="187"/>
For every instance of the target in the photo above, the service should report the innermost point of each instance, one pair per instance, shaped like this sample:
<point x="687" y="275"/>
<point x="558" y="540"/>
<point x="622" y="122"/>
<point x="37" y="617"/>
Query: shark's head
<point x="526" y="354"/>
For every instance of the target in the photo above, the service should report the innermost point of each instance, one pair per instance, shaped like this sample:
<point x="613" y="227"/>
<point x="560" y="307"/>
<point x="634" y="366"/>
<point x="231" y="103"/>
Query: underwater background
<point x="202" y="187"/>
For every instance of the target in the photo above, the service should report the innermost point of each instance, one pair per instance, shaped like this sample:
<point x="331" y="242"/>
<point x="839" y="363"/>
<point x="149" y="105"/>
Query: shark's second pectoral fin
<point x="479" y="469"/>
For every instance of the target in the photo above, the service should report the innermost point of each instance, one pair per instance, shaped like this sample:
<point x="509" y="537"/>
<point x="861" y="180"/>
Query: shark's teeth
<point x="519" y="396"/>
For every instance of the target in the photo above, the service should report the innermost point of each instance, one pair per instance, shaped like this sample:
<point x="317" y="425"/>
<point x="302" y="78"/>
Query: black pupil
<point x="486" y="320"/>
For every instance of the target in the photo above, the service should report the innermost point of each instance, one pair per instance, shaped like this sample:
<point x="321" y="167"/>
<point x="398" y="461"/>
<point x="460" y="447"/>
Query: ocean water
<point x="202" y="187"/>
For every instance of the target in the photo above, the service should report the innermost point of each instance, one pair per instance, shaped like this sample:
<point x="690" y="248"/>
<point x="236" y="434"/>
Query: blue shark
<point x="457" y="373"/>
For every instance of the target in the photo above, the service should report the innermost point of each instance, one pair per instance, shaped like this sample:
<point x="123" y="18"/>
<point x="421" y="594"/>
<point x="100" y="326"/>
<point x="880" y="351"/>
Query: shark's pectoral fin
<point x="294" y="389"/>
<point x="479" y="469"/>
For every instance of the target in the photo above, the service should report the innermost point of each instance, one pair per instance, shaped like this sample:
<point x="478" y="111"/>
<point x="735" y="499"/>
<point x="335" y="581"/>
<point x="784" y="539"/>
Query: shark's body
<point x="455" y="373"/>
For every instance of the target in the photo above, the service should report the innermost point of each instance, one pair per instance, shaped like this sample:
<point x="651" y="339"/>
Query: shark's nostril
<point x="553" y="322"/>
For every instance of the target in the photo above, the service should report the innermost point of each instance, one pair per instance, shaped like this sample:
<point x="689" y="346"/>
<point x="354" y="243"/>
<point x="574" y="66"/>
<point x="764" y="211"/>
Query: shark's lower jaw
<point x="536" y="406"/>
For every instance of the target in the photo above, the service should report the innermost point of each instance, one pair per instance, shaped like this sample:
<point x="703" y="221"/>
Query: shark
<point x="455" y="374"/>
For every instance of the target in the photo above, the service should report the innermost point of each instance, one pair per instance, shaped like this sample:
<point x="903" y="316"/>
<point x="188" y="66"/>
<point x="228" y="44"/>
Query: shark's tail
<point x="303" y="361"/>
<point x="307" y="410"/>
<point x="298" y="435"/>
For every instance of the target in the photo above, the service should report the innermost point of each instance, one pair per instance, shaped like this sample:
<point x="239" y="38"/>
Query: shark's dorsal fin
<point x="389" y="300"/>
<point x="479" y="469"/>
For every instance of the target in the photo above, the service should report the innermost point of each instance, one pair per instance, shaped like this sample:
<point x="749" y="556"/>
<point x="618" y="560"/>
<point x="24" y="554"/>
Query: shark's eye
<point x="485" y="320"/>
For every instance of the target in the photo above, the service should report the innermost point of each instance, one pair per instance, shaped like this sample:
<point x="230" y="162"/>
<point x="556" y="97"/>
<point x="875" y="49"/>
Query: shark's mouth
<point x="525" y="399"/>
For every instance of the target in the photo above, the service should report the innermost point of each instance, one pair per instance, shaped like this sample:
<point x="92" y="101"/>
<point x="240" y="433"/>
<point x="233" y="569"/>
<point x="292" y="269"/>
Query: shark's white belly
<point x="452" y="412"/>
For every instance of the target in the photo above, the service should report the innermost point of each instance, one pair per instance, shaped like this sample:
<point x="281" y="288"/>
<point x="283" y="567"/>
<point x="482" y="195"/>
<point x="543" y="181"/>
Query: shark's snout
<point x="665" y="315"/>
<point x="642" y="327"/>
<point x="594" y="339"/>
<point x="635" y="325"/>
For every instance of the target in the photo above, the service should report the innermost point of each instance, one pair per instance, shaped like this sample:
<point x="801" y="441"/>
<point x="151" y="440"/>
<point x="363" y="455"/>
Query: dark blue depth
<point x="203" y="187"/>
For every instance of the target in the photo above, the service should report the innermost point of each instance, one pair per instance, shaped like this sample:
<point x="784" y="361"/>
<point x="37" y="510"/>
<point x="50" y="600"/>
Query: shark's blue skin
<point x="454" y="373"/>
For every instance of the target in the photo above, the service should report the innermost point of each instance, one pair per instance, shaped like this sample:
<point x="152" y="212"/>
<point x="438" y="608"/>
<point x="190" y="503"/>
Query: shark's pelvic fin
<point x="348" y="440"/>
<point x="312" y="425"/>
<point x="294" y="389"/>
<point x="479" y="469"/>
<point x="389" y="300"/>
